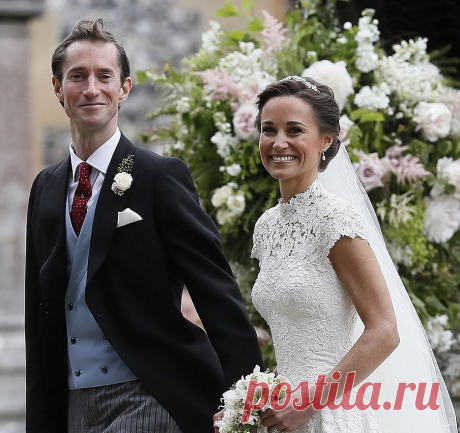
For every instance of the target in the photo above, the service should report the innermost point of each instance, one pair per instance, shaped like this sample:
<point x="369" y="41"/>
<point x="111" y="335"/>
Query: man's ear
<point x="126" y="88"/>
<point x="57" y="89"/>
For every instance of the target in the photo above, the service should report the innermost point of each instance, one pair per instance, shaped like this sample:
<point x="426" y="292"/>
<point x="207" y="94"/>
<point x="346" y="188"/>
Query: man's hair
<point x="87" y="29"/>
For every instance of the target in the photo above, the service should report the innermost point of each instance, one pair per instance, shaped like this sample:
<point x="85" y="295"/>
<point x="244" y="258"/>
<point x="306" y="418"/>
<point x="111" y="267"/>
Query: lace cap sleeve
<point x="345" y="221"/>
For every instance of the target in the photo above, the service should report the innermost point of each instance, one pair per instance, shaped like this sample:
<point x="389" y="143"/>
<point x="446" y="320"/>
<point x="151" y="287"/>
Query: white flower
<point x="374" y="98"/>
<point x="368" y="33"/>
<point x="451" y="98"/>
<point x="399" y="254"/>
<point x="345" y="124"/>
<point x="366" y="58"/>
<point x="411" y="51"/>
<point x="183" y="105"/>
<point x="250" y="63"/>
<point x="441" y="339"/>
<point x="243" y="122"/>
<point x="236" y="204"/>
<point x="233" y="170"/>
<point x="235" y="398"/>
<point x="437" y="190"/>
<point x="223" y="216"/>
<point x="449" y="170"/>
<point x="122" y="182"/>
<point x="433" y="119"/>
<point x="211" y="38"/>
<point x="312" y="56"/>
<point x="410" y="83"/>
<point x="442" y="218"/>
<point x="335" y="75"/>
<point x="347" y="25"/>
<point x="430" y="69"/>
<point x="220" y="120"/>
<point x="224" y="143"/>
<point x="370" y="170"/>
<point x="221" y="195"/>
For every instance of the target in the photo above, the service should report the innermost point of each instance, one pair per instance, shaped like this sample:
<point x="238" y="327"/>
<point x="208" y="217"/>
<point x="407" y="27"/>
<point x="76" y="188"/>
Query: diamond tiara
<point x="304" y="81"/>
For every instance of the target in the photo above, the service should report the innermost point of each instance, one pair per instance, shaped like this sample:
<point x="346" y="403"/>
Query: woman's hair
<point x="325" y="111"/>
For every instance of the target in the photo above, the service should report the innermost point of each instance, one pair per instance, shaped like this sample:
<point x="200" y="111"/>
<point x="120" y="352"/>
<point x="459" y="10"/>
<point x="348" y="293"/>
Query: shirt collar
<point x="100" y="159"/>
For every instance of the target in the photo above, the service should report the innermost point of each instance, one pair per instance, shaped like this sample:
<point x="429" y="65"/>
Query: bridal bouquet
<point x="241" y="402"/>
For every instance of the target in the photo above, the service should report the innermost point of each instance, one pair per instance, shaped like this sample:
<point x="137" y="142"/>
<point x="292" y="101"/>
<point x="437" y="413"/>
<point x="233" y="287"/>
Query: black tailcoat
<point x="135" y="278"/>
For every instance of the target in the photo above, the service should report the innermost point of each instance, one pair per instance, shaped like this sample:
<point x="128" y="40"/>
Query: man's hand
<point x="217" y="417"/>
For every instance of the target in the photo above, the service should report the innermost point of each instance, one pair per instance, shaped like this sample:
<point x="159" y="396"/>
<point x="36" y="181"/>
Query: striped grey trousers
<point x="124" y="407"/>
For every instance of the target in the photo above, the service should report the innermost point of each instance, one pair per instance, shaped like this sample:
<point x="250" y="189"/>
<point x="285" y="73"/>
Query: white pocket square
<point x="128" y="216"/>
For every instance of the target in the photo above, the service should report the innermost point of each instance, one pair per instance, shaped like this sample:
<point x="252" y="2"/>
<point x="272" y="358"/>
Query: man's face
<point x="91" y="88"/>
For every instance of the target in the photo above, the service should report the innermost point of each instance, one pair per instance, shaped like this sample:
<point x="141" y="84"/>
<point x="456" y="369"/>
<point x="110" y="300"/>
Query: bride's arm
<point x="358" y="269"/>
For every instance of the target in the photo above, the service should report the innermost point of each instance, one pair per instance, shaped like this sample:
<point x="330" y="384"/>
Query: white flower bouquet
<point x="243" y="400"/>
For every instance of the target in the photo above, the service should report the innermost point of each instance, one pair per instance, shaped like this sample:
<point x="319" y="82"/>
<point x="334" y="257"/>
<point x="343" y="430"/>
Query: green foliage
<point x="199" y="123"/>
<point x="229" y="10"/>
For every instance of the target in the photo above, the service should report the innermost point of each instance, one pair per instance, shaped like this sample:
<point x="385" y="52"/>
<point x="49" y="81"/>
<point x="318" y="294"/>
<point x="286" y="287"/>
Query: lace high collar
<point x="301" y="198"/>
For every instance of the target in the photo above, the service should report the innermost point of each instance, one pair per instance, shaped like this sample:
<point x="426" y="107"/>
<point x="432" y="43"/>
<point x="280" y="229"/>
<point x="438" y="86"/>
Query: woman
<point x="321" y="267"/>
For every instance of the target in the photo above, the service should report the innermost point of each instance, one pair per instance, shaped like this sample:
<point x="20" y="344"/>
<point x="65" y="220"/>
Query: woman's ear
<point x="327" y="141"/>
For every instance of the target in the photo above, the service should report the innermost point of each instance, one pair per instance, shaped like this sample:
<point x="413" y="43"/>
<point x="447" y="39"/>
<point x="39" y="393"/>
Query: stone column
<point x="16" y="162"/>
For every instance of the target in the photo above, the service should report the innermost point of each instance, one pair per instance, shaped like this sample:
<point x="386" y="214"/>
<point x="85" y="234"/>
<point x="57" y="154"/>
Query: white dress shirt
<point x="99" y="161"/>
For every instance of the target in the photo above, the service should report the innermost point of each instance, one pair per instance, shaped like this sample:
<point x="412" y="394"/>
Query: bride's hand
<point x="217" y="417"/>
<point x="286" y="420"/>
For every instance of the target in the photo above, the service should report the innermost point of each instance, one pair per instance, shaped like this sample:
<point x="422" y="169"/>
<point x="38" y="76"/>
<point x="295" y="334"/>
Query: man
<point x="113" y="233"/>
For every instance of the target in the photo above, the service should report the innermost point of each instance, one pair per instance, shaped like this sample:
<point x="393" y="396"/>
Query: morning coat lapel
<point x="108" y="206"/>
<point x="52" y="222"/>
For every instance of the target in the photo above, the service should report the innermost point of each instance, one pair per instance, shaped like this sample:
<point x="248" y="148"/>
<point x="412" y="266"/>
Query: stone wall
<point x="16" y="162"/>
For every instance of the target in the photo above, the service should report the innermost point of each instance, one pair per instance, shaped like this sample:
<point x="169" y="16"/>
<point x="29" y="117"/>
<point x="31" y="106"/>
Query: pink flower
<point x="219" y="84"/>
<point x="243" y="122"/>
<point x="345" y="124"/>
<point x="407" y="168"/>
<point x="273" y="33"/>
<point x="249" y="89"/>
<point x="370" y="170"/>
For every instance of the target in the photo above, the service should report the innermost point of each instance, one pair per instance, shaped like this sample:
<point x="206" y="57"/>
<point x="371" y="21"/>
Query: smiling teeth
<point x="283" y="158"/>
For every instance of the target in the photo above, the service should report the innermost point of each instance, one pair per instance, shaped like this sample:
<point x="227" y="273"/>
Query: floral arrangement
<point x="400" y="122"/>
<point x="236" y="398"/>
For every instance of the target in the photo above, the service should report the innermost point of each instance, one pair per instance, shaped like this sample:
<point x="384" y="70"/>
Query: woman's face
<point x="290" y="143"/>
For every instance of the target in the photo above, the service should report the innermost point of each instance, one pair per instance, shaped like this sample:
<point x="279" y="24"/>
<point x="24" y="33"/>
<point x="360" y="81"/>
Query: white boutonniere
<point x="123" y="179"/>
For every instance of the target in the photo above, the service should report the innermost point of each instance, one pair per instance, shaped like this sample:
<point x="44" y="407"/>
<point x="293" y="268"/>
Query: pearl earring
<point x="324" y="156"/>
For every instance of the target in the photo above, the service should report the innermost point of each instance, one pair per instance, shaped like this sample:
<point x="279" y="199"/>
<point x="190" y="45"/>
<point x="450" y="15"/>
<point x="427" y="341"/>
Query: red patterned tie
<point x="81" y="197"/>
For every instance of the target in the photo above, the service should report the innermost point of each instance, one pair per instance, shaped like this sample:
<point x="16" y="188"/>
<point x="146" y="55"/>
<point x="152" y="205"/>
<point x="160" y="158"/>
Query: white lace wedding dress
<point x="310" y="314"/>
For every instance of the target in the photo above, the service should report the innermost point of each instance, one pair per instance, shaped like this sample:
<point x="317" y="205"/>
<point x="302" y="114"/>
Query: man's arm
<point x="36" y="405"/>
<point x="194" y="243"/>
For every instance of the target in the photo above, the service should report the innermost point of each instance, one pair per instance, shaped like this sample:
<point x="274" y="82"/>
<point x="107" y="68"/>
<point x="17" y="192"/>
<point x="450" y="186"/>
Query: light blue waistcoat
<point x="92" y="359"/>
